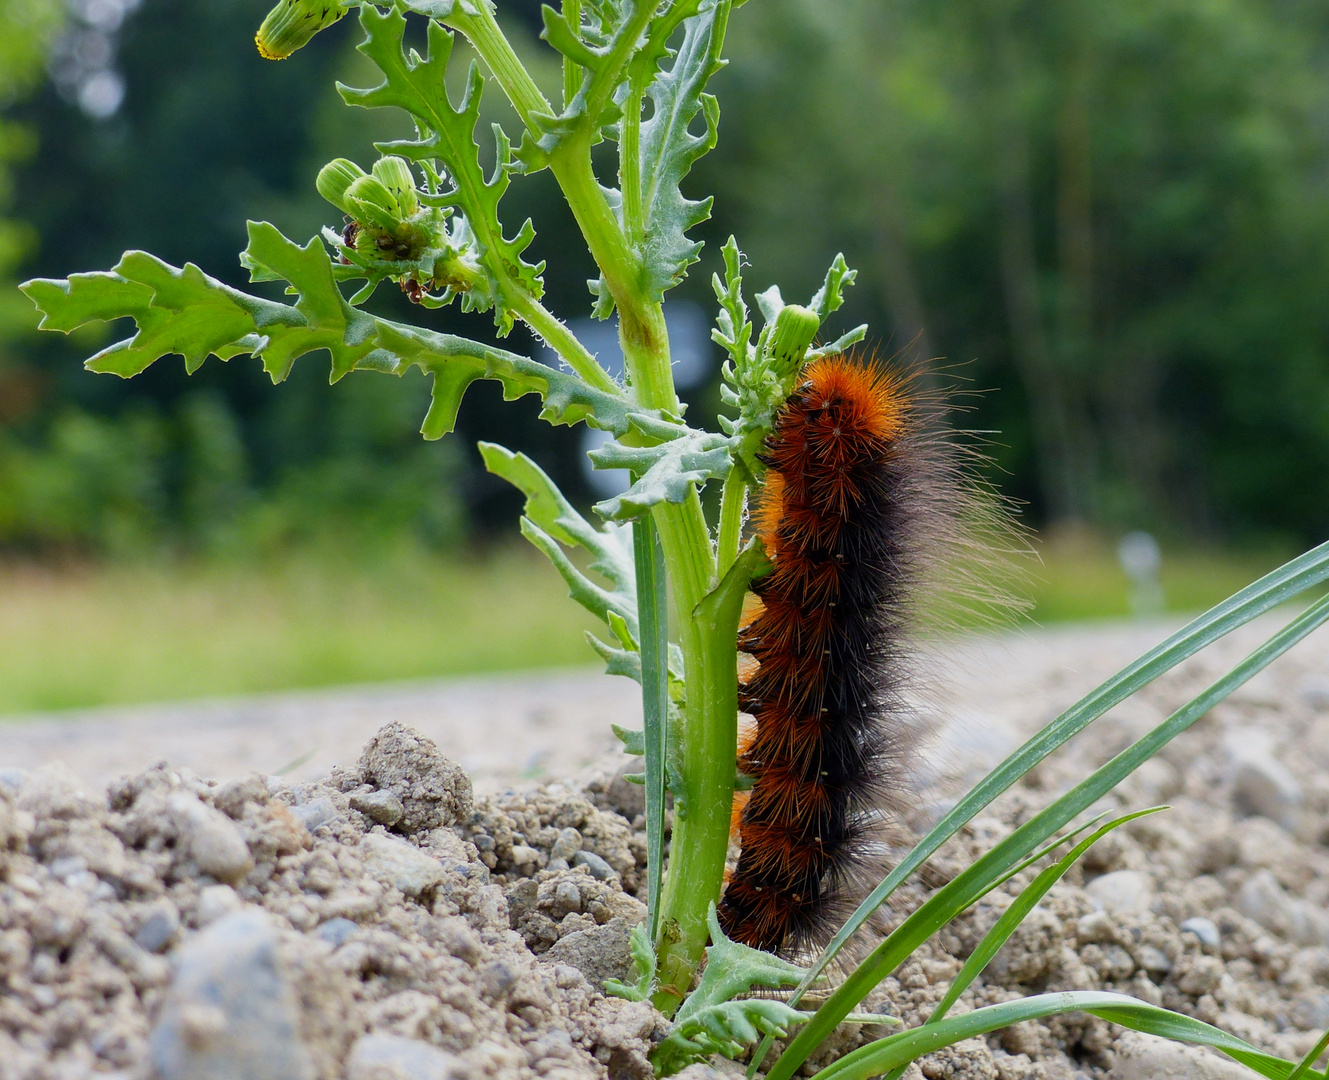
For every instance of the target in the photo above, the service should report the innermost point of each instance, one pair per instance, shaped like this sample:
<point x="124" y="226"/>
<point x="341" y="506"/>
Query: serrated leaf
<point x="643" y="960"/>
<point x="186" y="312"/>
<point x="669" y="150"/>
<point x="666" y="471"/>
<point x="634" y="741"/>
<point x="418" y="85"/>
<point x="831" y="294"/>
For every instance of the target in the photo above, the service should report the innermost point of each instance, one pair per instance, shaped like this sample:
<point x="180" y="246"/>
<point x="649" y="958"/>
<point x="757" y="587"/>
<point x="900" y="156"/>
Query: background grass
<point x="116" y="634"/>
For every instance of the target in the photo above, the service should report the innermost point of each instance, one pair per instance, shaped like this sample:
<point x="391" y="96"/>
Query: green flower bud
<point x="369" y="202"/>
<point x="333" y="180"/>
<point x="795" y="329"/>
<point x="292" y="23"/>
<point x="395" y="175"/>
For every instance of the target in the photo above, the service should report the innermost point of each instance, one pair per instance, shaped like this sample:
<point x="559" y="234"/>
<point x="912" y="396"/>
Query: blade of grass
<point x="900" y="1049"/>
<point x="1011" y="918"/>
<point x="965" y="888"/>
<point x="653" y="627"/>
<point x="1305" y="1066"/>
<point x="1014" y="915"/>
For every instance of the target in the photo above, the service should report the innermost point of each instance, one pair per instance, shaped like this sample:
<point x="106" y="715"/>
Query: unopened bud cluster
<point x="388" y="229"/>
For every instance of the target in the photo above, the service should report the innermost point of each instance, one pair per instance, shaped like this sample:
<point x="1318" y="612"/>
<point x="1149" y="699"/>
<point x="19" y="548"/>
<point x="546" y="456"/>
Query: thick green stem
<point x="710" y="745"/>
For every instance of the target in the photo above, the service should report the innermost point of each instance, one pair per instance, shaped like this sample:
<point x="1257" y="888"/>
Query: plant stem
<point x="485" y="35"/>
<point x="733" y="503"/>
<point x="571" y="72"/>
<point x="562" y="340"/>
<point x="710" y="746"/>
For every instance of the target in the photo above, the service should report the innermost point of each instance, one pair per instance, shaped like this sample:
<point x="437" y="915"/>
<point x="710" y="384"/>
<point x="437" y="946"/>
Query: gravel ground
<point x="380" y="920"/>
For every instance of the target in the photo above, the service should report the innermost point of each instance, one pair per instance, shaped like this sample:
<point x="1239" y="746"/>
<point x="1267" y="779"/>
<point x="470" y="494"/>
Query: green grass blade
<point x="1304" y="1067"/>
<point x="1005" y="926"/>
<point x="900" y="1049"/>
<point x="964" y="889"/>
<point x="653" y="626"/>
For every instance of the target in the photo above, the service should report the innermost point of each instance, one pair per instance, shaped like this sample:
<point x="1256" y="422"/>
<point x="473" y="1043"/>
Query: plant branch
<point x="563" y="341"/>
<point x="733" y="504"/>
<point x="487" y="38"/>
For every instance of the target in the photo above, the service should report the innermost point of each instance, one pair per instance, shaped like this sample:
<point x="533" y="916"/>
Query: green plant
<point x="426" y="216"/>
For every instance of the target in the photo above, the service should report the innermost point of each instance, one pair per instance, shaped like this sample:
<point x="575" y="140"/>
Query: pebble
<point x="381" y="806"/>
<point x="1311" y="1013"/>
<point x="1122" y="891"/>
<point x="313" y="814"/>
<point x="524" y="855"/>
<point x="214" y="902"/>
<point x="1313" y="689"/>
<point x="1144" y="1057"/>
<point x="399" y="864"/>
<point x="229" y="1013"/>
<point x="394" y="1057"/>
<point x="599" y="869"/>
<point x="215" y="844"/>
<point x="1261" y="784"/>
<point x="336" y="931"/>
<point x="1204" y="929"/>
<point x="1263" y="899"/>
<point x="567" y="844"/>
<point x="158" y="928"/>
<point x="12" y="779"/>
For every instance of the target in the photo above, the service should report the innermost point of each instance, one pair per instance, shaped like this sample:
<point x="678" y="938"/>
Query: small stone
<point x="599" y="953"/>
<point x="401" y="865"/>
<point x="1122" y="892"/>
<point x="393" y="1057"/>
<point x="1145" y="1057"/>
<point x="433" y="790"/>
<point x="214" y="902"/>
<point x="381" y="806"/>
<point x="1311" y="1012"/>
<point x="1204" y="929"/>
<point x="229" y="1013"/>
<point x="524" y="855"/>
<point x="567" y="845"/>
<point x="1262" y="898"/>
<point x="1261" y="784"/>
<point x="1313" y="689"/>
<point x="315" y="813"/>
<point x="336" y="931"/>
<point x="1152" y="960"/>
<point x="12" y="779"/>
<point x="599" y="869"/>
<point x="232" y="797"/>
<point x="159" y="927"/>
<point x="567" y="899"/>
<point x="215" y="844"/>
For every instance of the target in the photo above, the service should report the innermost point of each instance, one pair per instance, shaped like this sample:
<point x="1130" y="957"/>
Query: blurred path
<point x="987" y="694"/>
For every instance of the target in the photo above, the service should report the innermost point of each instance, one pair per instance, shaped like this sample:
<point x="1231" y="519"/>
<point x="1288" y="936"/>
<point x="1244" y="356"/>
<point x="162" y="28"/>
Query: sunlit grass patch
<point x="102" y="635"/>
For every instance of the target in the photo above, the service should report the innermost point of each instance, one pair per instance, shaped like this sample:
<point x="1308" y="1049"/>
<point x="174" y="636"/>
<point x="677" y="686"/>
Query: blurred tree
<point x="1117" y="210"/>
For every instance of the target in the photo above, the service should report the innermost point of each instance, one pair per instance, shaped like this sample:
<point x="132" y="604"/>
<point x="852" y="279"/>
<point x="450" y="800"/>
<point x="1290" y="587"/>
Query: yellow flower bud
<point x="292" y="23"/>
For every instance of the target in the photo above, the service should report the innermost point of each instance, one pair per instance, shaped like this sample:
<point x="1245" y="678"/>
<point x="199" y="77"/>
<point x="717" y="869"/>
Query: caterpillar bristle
<point x="859" y="486"/>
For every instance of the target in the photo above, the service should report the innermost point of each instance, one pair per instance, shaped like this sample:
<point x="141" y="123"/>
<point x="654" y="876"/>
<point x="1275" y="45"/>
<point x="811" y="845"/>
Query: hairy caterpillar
<point x="856" y="490"/>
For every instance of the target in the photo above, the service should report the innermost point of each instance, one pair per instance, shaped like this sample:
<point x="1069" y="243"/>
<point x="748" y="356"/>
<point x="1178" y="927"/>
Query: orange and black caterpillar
<point x="846" y="500"/>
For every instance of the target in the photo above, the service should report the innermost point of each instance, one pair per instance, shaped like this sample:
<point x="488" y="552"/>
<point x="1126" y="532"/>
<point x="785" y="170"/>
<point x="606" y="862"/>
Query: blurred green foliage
<point x="1112" y="217"/>
<point x="1117" y="211"/>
